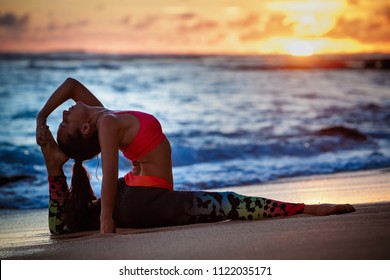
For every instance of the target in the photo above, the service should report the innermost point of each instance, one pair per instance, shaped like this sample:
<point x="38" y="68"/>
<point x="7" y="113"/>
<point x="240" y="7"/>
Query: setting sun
<point x="301" y="48"/>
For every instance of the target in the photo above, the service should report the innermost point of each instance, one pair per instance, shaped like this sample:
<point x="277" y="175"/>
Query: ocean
<point x="231" y="120"/>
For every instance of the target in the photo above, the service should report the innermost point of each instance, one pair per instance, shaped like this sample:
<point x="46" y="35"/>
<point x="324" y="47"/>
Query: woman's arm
<point x="108" y="129"/>
<point x="69" y="89"/>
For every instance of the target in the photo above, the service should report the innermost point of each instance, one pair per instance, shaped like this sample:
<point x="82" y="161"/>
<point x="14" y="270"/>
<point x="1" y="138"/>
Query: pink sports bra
<point x="149" y="136"/>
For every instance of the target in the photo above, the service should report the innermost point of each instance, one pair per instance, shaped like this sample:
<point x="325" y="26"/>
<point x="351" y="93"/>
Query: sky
<point x="297" y="27"/>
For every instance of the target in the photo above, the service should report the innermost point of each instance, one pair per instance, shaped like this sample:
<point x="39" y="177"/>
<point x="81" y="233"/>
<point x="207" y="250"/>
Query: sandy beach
<point x="363" y="234"/>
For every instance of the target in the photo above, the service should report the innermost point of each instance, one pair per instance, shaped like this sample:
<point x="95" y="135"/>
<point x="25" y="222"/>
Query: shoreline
<point x="360" y="235"/>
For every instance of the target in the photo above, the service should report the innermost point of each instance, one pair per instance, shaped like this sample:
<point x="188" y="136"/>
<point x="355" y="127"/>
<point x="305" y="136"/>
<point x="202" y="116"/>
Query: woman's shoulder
<point x="112" y="120"/>
<point x="107" y="120"/>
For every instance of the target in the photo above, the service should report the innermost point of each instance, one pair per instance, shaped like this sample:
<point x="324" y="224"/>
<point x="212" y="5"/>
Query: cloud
<point x="371" y="29"/>
<point x="145" y="22"/>
<point x="250" y="20"/>
<point x="191" y="22"/>
<point x="126" y="20"/>
<point x="53" y="26"/>
<point x="198" y="25"/>
<point x="386" y="13"/>
<point x="353" y="2"/>
<point x="176" y="30"/>
<point x="191" y="27"/>
<point x="77" y="24"/>
<point x="275" y="25"/>
<point x="186" y="16"/>
<point x="13" y="22"/>
<point x="181" y="22"/>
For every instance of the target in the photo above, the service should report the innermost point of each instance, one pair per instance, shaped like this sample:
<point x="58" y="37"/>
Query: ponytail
<point x="78" y="211"/>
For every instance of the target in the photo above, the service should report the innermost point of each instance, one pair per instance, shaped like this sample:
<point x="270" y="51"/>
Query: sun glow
<point x="301" y="48"/>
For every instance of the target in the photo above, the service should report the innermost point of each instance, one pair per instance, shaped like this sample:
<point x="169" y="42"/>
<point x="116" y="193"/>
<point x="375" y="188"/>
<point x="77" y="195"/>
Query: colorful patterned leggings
<point x="153" y="207"/>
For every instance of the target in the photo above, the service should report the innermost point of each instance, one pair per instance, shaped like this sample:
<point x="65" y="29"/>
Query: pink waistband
<point x="147" y="181"/>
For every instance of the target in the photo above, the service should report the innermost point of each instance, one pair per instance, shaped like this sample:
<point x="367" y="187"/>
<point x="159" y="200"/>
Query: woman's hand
<point x="41" y="132"/>
<point x="41" y="123"/>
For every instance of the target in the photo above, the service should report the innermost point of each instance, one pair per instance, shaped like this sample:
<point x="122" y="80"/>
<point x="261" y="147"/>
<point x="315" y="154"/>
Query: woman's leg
<point x="58" y="187"/>
<point x="155" y="207"/>
<point x="58" y="191"/>
<point x="217" y="206"/>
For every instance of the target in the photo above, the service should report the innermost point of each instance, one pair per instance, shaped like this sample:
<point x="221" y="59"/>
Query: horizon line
<point x="86" y="52"/>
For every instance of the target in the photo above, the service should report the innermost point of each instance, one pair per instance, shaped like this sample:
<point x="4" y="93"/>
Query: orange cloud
<point x="374" y="28"/>
<point x="52" y="26"/>
<point x="11" y="21"/>
<point x="169" y="25"/>
<point x="198" y="26"/>
<point x="248" y="21"/>
<point x="275" y="25"/>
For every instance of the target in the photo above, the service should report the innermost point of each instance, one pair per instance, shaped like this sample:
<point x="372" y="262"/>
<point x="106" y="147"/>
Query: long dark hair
<point x="80" y="214"/>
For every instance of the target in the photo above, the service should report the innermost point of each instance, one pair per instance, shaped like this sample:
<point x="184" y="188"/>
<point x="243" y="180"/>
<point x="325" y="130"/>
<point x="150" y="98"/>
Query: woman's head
<point x="76" y="137"/>
<point x="79" y="147"/>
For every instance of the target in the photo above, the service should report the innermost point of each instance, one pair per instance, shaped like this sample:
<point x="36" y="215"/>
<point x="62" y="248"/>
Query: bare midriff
<point x="158" y="162"/>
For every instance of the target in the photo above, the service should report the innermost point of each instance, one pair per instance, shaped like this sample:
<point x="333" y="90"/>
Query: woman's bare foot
<point x="53" y="155"/>
<point x="328" y="209"/>
<point x="51" y="152"/>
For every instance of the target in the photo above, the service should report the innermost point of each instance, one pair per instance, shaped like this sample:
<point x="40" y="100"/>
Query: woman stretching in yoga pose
<point x="145" y="196"/>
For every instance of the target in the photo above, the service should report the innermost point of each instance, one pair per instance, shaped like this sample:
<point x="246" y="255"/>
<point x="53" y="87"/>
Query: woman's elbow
<point x="72" y="81"/>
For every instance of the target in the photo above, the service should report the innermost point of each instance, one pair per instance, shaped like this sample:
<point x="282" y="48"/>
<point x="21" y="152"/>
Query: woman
<point x="145" y="196"/>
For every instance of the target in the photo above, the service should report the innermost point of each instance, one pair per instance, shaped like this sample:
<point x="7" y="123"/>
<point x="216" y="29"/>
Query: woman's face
<point x="72" y="120"/>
